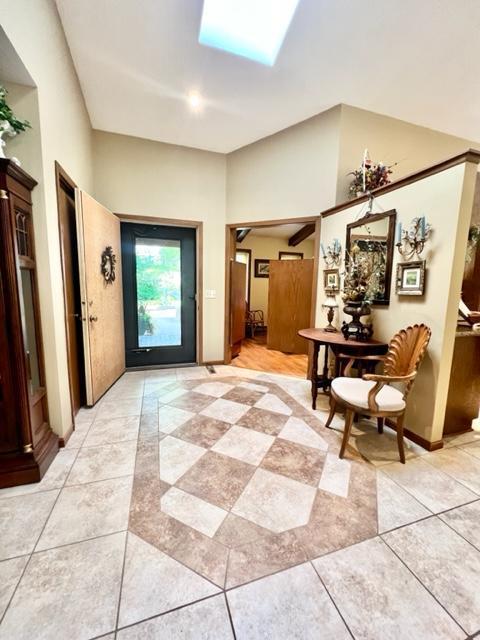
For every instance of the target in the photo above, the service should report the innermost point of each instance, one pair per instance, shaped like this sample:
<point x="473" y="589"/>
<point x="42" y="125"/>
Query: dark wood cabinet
<point x="27" y="444"/>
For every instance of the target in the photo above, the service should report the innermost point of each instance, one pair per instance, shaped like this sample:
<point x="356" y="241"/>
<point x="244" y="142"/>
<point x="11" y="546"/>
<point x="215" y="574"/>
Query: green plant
<point x="7" y="114"/>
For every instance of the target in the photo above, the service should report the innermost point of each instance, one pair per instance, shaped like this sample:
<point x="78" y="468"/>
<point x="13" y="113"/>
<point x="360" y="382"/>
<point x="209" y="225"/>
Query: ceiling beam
<point x="301" y="235"/>
<point x="242" y="234"/>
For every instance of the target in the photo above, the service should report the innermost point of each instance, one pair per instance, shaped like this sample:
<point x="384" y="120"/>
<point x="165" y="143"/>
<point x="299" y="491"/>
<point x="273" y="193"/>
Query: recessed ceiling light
<point x="195" y="100"/>
<point x="253" y="29"/>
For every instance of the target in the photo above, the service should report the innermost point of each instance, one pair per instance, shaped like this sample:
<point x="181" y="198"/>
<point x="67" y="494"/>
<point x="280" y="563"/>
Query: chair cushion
<point x="355" y="391"/>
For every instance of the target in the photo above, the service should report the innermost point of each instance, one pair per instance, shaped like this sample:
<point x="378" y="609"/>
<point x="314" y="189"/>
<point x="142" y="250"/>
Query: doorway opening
<point x="271" y="275"/>
<point x="159" y="265"/>
<point x="71" y="288"/>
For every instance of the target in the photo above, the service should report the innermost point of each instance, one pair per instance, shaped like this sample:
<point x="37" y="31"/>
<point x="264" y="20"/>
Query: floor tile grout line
<point x="423" y="504"/>
<point x="227" y="604"/>
<point x="461" y="482"/>
<point x="422" y="584"/>
<point x="332" y="599"/>
<point x="117" y="617"/>
<point x="164" y="613"/>
<point x="458" y="533"/>
<point x="89" y="482"/>
<point x="67" y="544"/>
<point x="30" y="555"/>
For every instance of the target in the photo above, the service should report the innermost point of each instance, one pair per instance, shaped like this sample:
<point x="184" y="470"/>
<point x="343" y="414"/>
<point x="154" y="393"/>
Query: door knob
<point x="93" y="318"/>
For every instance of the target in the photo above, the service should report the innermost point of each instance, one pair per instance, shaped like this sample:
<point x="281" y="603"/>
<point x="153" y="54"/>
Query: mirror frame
<point x="372" y="217"/>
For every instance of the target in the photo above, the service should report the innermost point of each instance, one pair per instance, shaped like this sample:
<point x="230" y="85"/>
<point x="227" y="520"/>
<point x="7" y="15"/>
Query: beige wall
<point x="61" y="132"/>
<point x="446" y="200"/>
<point x="151" y="179"/>
<point x="290" y="174"/>
<point x="389" y="140"/>
<point x="268" y="247"/>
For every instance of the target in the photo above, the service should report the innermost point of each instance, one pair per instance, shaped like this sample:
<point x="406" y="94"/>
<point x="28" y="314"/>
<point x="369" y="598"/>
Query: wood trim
<point x="249" y="287"/>
<point x="316" y="270"/>
<point x="471" y="155"/>
<point x="272" y="223"/>
<point x="212" y="362"/>
<point x="17" y="173"/>
<point x="301" y="235"/>
<point x="414" y="437"/>
<point x="230" y="246"/>
<point x="66" y="437"/>
<point x="63" y="181"/>
<point x="195" y="224"/>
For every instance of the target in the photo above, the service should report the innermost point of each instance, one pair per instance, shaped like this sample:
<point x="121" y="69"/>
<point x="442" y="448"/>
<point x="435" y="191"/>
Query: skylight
<point x="253" y="29"/>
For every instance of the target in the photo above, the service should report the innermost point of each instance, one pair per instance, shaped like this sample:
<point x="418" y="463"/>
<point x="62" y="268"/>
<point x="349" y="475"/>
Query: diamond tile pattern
<point x="238" y="480"/>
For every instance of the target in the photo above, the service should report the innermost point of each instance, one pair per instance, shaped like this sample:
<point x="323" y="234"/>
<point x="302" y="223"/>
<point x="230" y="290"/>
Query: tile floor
<point x="190" y="505"/>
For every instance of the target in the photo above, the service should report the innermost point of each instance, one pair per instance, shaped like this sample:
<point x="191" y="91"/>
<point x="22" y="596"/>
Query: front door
<point x="100" y="270"/>
<point x="159" y="280"/>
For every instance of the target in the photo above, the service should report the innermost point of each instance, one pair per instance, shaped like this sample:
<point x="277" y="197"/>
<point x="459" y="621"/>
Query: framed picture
<point x="411" y="278"/>
<point x="262" y="268"/>
<point x="331" y="280"/>
<point x="289" y="255"/>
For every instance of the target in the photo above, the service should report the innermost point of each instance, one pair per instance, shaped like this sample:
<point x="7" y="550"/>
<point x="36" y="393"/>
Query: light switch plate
<point x="210" y="293"/>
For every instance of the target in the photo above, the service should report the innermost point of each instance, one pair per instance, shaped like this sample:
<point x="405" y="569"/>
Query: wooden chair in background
<point x="255" y="320"/>
<point x="372" y="394"/>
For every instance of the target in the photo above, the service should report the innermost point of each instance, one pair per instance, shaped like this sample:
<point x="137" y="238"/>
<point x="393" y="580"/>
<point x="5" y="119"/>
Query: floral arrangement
<point x="362" y="277"/>
<point x="369" y="176"/>
<point x="473" y="241"/>
<point x="7" y="116"/>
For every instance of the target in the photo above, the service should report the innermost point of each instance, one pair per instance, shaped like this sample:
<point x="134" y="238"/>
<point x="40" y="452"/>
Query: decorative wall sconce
<point x="411" y="241"/>
<point x="109" y="260"/>
<point x="333" y="253"/>
<point x="330" y="304"/>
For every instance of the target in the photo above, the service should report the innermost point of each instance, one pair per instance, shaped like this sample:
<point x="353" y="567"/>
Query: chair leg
<point x="401" y="451"/>
<point x="346" y="431"/>
<point x="333" y="406"/>
<point x="380" y="423"/>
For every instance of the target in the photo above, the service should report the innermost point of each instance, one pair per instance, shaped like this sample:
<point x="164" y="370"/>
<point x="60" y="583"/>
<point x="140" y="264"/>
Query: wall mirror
<point x="371" y="240"/>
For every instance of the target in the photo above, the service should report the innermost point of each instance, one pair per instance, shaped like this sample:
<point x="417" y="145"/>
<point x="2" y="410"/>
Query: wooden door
<point x="289" y="304"/>
<point x="102" y="301"/>
<point x="238" y="305"/>
<point x="73" y="308"/>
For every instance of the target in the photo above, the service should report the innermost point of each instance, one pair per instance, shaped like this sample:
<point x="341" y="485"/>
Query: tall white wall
<point x="62" y="132"/>
<point x="152" y="179"/>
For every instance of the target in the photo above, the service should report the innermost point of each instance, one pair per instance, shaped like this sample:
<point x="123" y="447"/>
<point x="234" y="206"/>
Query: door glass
<point x="159" y="296"/>
<point x="30" y="336"/>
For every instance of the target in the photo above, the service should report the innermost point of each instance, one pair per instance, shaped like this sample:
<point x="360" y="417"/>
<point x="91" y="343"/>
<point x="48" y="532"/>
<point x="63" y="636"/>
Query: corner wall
<point x="446" y="200"/>
<point x="290" y="174"/>
<point x="61" y="132"/>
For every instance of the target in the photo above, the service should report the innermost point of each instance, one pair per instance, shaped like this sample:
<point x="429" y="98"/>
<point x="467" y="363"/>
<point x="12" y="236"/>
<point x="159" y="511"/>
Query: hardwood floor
<point x="255" y="355"/>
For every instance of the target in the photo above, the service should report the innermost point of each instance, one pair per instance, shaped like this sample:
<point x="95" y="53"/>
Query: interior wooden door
<point x="102" y="301"/>
<point x="289" y="304"/>
<point x="71" y="288"/>
<point x="238" y="305"/>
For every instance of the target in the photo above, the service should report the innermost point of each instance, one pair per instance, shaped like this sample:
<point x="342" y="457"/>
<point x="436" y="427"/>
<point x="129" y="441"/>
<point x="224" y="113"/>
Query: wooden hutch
<point x="27" y="444"/>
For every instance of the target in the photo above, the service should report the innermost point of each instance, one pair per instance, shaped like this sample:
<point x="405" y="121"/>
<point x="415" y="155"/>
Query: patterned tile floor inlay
<point x="198" y="505"/>
<point x="242" y="479"/>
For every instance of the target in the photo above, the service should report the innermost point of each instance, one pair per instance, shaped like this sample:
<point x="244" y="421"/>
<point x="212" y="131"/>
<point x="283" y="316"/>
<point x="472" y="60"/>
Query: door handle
<point x="93" y="318"/>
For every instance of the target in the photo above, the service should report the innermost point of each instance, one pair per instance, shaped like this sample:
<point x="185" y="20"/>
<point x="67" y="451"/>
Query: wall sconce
<point x="330" y="304"/>
<point x="411" y="241"/>
<point x="333" y="253"/>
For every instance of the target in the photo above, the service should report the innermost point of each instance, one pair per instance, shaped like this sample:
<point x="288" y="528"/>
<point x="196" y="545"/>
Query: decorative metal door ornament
<point x="108" y="265"/>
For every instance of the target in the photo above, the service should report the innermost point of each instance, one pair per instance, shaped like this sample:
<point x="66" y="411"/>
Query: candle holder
<point x="411" y="242"/>
<point x="330" y="304"/>
<point x="333" y="254"/>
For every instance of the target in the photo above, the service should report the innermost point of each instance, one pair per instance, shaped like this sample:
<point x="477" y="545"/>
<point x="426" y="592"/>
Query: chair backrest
<point x="406" y="351"/>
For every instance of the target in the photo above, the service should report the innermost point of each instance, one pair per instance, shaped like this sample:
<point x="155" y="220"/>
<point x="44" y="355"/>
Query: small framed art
<point x="262" y="268"/>
<point x="289" y="255"/>
<point x="331" y="280"/>
<point x="411" y="278"/>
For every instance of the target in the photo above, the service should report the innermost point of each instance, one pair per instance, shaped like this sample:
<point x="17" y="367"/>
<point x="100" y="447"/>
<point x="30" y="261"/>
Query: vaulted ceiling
<point x="137" y="60"/>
